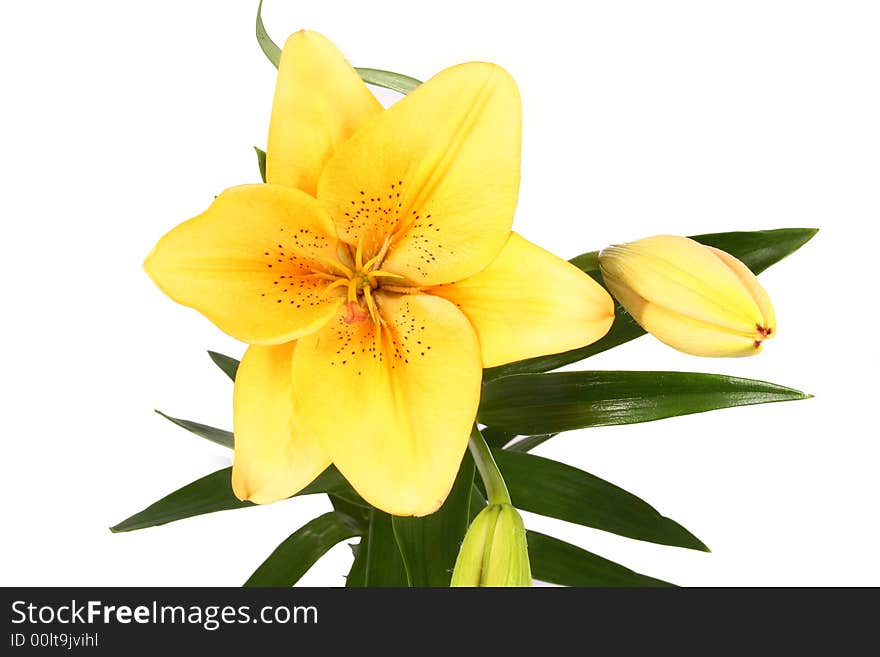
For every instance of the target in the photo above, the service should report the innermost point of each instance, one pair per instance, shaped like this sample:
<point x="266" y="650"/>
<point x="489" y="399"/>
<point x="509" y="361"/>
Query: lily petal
<point x="393" y="405"/>
<point x="747" y="278"/>
<point x="319" y="102"/>
<point x="245" y="264"/>
<point x="528" y="302"/>
<point x="438" y="171"/>
<point x="275" y="454"/>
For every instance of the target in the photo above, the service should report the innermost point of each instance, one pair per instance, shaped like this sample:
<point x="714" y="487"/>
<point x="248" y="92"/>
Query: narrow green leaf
<point x="357" y="572"/>
<point x="261" y="162"/>
<point x="378" y="562"/>
<point x="388" y="79"/>
<point x="757" y="249"/>
<point x="562" y="401"/>
<point x="215" y="435"/>
<point x="344" y="493"/>
<point x="478" y="501"/>
<point x="228" y="364"/>
<point x="558" y="562"/>
<point x="299" y="551"/>
<point x="589" y="264"/>
<point x="557" y="490"/>
<point x="429" y="545"/>
<point x="509" y="440"/>
<point x="356" y="513"/>
<point x="496" y="437"/>
<point x="206" y="495"/>
<point x="269" y="47"/>
<point x="528" y="443"/>
<point x="214" y="493"/>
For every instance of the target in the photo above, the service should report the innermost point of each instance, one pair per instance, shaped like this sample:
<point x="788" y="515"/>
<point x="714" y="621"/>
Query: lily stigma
<point x="374" y="275"/>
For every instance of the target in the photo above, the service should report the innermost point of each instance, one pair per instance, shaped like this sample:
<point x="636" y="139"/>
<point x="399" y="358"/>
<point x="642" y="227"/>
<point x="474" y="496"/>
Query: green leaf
<point x="478" y="501"/>
<point x="500" y="438"/>
<point x="299" y="551"/>
<point x="269" y="47"/>
<point x="357" y="572"/>
<point x="558" y="562"/>
<point x="757" y="249"/>
<point x="356" y="513"/>
<point x="429" y="545"/>
<point x="557" y="490"/>
<point x="261" y="162"/>
<point x="562" y="401"/>
<point x="496" y="437"/>
<point x="378" y="561"/>
<point x="528" y="443"/>
<point x="388" y="79"/>
<point x="344" y="493"/>
<point x="215" y="435"/>
<point x="214" y="493"/>
<point x="228" y="364"/>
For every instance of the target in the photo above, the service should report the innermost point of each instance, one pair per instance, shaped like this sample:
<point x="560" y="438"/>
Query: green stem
<point x="496" y="489"/>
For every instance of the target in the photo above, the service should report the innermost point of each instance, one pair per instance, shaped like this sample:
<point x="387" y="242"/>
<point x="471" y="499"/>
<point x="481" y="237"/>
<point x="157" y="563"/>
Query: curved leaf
<point x="562" y="401"/>
<point x="758" y="249"/>
<point x="512" y="441"/>
<point x="214" y="493"/>
<point x="357" y="514"/>
<point x="496" y="437"/>
<point x="558" y="562"/>
<point x="215" y="435"/>
<point x="261" y="162"/>
<point x="557" y="490"/>
<point x="228" y="364"/>
<point x="269" y="47"/>
<point x="528" y="443"/>
<point x="388" y="79"/>
<point x="299" y="551"/>
<point x="478" y="501"/>
<point x="378" y="562"/>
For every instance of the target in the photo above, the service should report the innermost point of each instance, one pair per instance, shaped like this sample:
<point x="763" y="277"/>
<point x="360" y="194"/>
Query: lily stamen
<point x="338" y="266"/>
<point x="402" y="289"/>
<point x="359" y="255"/>
<point x="352" y="290"/>
<point x="339" y="282"/>
<point x="373" y="275"/>
<point x="371" y="305"/>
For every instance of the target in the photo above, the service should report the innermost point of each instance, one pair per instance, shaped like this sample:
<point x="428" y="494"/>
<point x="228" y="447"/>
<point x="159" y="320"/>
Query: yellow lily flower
<point x="374" y="276"/>
<point x="695" y="298"/>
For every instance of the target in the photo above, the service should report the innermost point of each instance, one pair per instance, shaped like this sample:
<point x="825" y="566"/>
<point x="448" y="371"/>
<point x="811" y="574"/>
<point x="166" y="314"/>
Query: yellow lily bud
<point x="494" y="551"/>
<point x="695" y="298"/>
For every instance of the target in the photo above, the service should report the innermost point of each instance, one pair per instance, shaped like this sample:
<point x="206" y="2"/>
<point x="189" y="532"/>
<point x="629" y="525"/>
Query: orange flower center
<point x="360" y="279"/>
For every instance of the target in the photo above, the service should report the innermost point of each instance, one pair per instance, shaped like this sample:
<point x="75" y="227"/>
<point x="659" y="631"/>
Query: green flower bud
<point x="494" y="551"/>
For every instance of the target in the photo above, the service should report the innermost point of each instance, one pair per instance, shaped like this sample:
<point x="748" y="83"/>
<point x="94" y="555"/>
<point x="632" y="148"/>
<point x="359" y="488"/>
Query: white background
<point x="119" y="120"/>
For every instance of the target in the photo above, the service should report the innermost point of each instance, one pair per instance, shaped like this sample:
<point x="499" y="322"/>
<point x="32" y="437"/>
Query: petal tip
<point x="239" y="487"/>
